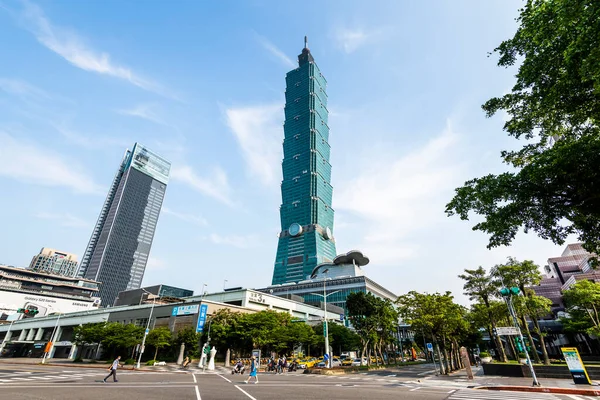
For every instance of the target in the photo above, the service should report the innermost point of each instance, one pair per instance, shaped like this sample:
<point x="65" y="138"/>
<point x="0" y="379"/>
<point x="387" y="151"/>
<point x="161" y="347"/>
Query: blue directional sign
<point x="201" y="318"/>
<point x="429" y="347"/>
<point x="147" y="331"/>
<point x="341" y="317"/>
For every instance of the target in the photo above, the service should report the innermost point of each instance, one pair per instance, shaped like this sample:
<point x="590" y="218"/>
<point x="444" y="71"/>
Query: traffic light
<point x="507" y="292"/>
<point x="28" y="311"/>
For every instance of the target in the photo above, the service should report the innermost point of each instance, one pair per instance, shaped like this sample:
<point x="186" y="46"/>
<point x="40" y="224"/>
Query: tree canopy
<point x="554" y="106"/>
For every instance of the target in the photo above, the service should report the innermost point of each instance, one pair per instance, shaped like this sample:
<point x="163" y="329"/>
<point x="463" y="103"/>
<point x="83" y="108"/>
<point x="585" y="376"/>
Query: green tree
<point x="91" y="333"/>
<point x="362" y="312"/>
<point x="481" y="287"/>
<point x="524" y="274"/>
<point x="119" y="337"/>
<point x="159" y="337"/>
<point x="555" y="106"/>
<point x="583" y="305"/>
<point x="190" y="338"/>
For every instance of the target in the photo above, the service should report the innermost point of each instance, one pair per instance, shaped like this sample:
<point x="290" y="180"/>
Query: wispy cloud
<point x="91" y="141"/>
<point x="397" y="197"/>
<point x="69" y="45"/>
<point x="239" y="241"/>
<point x="191" y="218"/>
<point x="64" y="219"/>
<point x="258" y="132"/>
<point x="27" y="162"/>
<point x="276" y="52"/>
<point x="144" y="111"/>
<point x="216" y="185"/>
<point x="22" y="89"/>
<point x="351" y="40"/>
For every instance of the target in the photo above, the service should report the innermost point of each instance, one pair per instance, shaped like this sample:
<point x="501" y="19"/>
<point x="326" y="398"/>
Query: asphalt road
<point x="64" y="383"/>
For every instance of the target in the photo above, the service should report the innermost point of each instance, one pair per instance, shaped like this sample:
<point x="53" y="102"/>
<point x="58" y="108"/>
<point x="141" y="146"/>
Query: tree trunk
<point x="155" y="353"/>
<point x="536" y="356"/>
<point x="538" y="331"/>
<point x="442" y="370"/>
<point x="497" y="341"/>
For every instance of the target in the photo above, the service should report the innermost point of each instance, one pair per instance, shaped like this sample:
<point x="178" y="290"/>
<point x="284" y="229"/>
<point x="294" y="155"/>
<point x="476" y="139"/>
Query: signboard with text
<point x="575" y="365"/>
<point x="184" y="310"/>
<point x="201" y="318"/>
<point x="506" y="331"/>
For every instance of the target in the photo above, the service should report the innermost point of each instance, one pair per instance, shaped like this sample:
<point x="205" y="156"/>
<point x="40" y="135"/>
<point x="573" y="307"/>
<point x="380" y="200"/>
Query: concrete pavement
<point x="35" y="382"/>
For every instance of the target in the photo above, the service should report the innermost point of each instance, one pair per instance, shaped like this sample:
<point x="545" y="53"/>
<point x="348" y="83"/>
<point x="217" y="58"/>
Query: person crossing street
<point x="113" y="370"/>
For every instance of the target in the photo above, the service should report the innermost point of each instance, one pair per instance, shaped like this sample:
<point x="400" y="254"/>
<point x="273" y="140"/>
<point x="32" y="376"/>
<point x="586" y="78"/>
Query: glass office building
<point x="118" y="249"/>
<point x="306" y="238"/>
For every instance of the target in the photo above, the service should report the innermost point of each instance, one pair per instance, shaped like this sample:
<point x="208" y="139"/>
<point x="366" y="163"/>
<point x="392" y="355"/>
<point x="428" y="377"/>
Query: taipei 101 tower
<point x="306" y="237"/>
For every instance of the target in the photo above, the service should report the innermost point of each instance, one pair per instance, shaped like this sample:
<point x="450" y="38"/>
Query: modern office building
<point x="149" y="294"/>
<point x="336" y="279"/>
<point x="306" y="237"/>
<point x="54" y="262"/>
<point x="32" y="335"/>
<point x="575" y="263"/>
<point x="118" y="249"/>
<point x="44" y="292"/>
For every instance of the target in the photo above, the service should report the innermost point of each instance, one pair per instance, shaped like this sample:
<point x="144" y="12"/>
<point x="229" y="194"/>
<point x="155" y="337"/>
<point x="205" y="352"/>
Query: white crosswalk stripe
<point x="472" y="394"/>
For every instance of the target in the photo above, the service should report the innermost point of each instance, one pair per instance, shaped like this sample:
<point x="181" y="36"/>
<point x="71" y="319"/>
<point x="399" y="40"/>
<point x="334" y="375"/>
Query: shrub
<point x="484" y="354"/>
<point x="151" y="362"/>
<point x="522" y="355"/>
<point x="78" y="360"/>
<point x="130" y="361"/>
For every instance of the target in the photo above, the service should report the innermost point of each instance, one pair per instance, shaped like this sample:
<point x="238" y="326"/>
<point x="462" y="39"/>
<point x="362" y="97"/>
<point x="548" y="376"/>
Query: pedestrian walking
<point x="113" y="370"/>
<point x="253" y="371"/>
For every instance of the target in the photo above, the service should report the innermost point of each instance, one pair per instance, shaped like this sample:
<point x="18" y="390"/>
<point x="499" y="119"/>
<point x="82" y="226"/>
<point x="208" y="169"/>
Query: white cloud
<point x="65" y="219"/>
<point x="280" y="55"/>
<point x="258" y="132"/>
<point x="241" y="242"/>
<point x="216" y="185"/>
<point x="397" y="197"/>
<point x="22" y="89"/>
<point x="69" y="45"/>
<point x="144" y="111"/>
<point x="351" y="40"/>
<point x="27" y="162"/>
<point x="194" y="219"/>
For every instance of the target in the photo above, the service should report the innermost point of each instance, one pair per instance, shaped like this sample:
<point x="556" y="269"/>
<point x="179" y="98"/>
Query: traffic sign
<point x="341" y="317"/>
<point x="506" y="331"/>
<point x="147" y="331"/>
<point x="429" y="347"/>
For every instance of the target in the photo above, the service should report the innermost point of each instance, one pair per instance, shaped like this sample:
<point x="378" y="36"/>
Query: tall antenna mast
<point x="305" y="42"/>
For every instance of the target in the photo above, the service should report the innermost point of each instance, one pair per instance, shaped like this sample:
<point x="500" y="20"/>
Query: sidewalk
<point x="490" y="382"/>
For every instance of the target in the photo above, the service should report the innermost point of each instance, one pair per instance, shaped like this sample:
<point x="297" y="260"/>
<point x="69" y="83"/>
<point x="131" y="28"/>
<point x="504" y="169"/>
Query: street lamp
<point x="147" y="326"/>
<point x="52" y="339"/>
<point x="325" y="327"/>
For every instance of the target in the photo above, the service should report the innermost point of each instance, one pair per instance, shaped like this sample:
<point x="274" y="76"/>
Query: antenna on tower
<point x="305" y="42"/>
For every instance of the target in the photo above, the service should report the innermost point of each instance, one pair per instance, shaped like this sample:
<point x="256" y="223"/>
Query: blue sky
<point x="202" y="84"/>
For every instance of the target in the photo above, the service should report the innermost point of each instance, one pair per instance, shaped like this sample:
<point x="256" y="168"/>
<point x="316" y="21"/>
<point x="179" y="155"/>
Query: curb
<point x="532" y="389"/>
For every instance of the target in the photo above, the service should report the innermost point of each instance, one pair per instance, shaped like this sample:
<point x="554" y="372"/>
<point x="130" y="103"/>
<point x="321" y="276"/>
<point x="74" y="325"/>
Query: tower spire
<point x="305" y="42"/>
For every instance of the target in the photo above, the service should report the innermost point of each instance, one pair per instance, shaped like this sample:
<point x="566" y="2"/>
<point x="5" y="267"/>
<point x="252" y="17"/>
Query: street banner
<point x="576" y="367"/>
<point x="201" y="318"/>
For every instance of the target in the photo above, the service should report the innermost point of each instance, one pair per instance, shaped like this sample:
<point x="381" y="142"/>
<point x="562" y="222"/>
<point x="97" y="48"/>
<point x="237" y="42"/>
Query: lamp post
<point x="325" y="326"/>
<point x="201" y="363"/>
<point x="52" y="340"/>
<point x="6" y="336"/>
<point x="147" y="328"/>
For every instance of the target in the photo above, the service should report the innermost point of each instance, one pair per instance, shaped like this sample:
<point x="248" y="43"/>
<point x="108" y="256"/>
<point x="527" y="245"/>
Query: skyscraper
<point x="118" y="250"/>
<point x="306" y="237"/>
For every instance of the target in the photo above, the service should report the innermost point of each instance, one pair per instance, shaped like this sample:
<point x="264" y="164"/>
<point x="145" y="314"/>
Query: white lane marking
<point x="415" y="389"/>
<point x="21" y="379"/>
<point x="194" y="376"/>
<point x="427" y="372"/>
<point x="391" y="376"/>
<point x="46" y="378"/>
<point x="574" y="397"/>
<point x="197" y="393"/>
<point x="243" y="391"/>
<point x="224" y="378"/>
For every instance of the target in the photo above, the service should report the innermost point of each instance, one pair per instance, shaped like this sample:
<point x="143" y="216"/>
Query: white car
<point x="334" y="363"/>
<point x="357" y="362"/>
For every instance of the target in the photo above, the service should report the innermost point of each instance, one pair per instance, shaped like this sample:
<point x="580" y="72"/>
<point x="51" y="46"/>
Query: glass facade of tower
<point x="118" y="250"/>
<point x="306" y="238"/>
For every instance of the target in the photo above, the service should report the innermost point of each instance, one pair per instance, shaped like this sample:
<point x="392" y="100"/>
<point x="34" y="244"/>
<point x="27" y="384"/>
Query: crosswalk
<point x="473" y="394"/>
<point x="18" y="376"/>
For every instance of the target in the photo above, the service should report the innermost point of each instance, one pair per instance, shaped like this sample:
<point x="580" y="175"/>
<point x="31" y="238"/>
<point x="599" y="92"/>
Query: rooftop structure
<point x="54" y="262"/>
